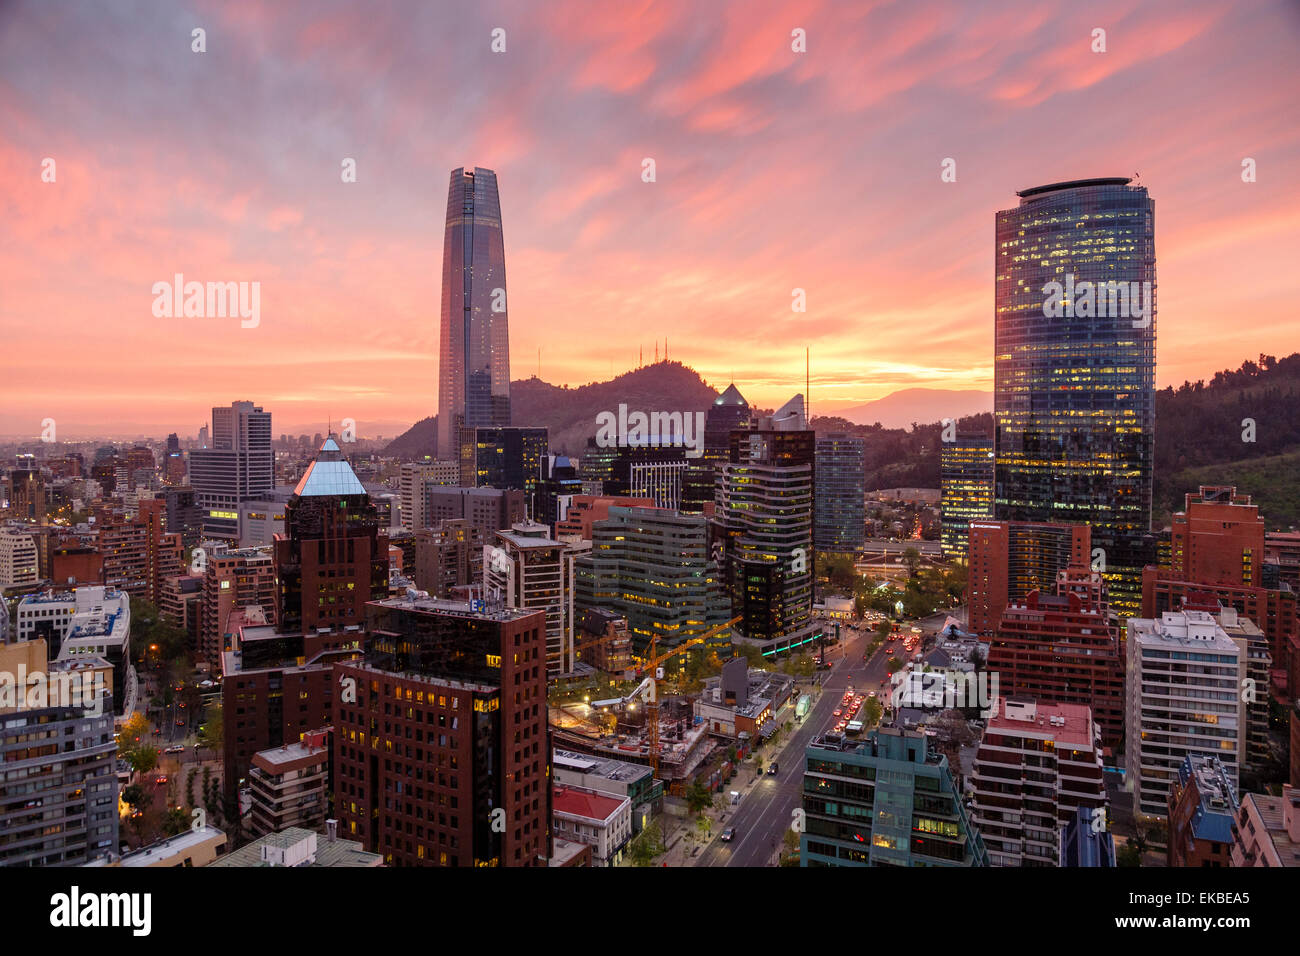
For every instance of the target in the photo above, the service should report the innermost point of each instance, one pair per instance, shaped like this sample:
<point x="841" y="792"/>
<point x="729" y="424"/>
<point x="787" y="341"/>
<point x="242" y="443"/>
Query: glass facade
<point x="839" y="513"/>
<point x="474" y="348"/>
<point x="1074" y="368"/>
<point x="966" y="480"/>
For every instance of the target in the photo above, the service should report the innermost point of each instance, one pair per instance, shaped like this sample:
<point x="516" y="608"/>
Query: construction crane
<point x="651" y="683"/>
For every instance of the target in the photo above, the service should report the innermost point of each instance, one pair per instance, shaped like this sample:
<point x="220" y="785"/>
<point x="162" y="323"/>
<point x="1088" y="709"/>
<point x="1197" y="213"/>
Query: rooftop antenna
<point x="807" y="383"/>
<point x="656" y="351"/>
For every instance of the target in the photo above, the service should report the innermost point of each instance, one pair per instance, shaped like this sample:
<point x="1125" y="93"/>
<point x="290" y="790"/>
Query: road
<point x="766" y="811"/>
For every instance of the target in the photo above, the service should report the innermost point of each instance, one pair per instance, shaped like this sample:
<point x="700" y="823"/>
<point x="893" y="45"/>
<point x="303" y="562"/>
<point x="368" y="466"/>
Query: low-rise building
<point x="290" y="785"/>
<point x="298" y="847"/>
<point x="601" y="821"/>
<point x="190" y="847"/>
<point x="615" y="778"/>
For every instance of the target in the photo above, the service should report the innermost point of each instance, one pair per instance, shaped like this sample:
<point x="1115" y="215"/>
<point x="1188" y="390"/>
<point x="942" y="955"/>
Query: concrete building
<point x="655" y="567"/>
<point x="58" y="785"/>
<point x="1183" y="697"/>
<point x="413" y="482"/>
<point x="743" y="701"/>
<point x="1008" y="559"/>
<point x="448" y="555"/>
<point x="614" y="778"/>
<point x="1266" y="832"/>
<point x="764" y="530"/>
<point x="19" y="564"/>
<point x="966" y="485"/>
<point x="525" y="569"/>
<point x="88" y="622"/>
<point x="1038" y="764"/>
<point x="244" y="577"/>
<point x="1202" y="806"/>
<point x="599" y="820"/>
<point x="190" y="847"/>
<point x="295" y="846"/>
<point x="290" y="785"/>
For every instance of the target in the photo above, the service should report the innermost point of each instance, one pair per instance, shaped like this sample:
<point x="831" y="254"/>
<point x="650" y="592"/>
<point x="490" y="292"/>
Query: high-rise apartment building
<point x="966" y="488"/>
<point x="1038" y="763"/>
<point x="1218" y="538"/>
<point x="839" y="513"/>
<point x="240" y="466"/>
<point x="233" y="579"/>
<point x="441" y="745"/>
<point x="474" y="348"/>
<point x="58" y="785"/>
<point x="1074" y="368"/>
<point x="1183" y="697"/>
<point x="1062" y="647"/>
<point x="138" y="553"/>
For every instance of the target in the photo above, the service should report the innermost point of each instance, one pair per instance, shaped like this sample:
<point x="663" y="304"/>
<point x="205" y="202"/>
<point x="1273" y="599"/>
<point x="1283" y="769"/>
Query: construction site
<point x="639" y="726"/>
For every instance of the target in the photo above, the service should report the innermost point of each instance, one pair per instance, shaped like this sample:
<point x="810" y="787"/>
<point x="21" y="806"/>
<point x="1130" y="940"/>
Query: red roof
<point x="583" y="803"/>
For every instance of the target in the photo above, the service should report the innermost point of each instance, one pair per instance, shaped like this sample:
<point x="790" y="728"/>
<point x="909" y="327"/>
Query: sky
<point x="775" y="170"/>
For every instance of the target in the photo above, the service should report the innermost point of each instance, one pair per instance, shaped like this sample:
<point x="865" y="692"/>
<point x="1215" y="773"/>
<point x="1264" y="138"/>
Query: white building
<point x="526" y="569"/>
<point x="602" y="821"/>
<point x="92" y="621"/>
<point x="1183" y="695"/>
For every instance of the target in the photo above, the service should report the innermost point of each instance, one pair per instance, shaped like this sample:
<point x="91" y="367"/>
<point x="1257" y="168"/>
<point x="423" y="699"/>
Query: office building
<point x="764" y="530"/>
<point x="655" y="568"/>
<point x="887" y="799"/>
<point x="330" y="561"/>
<point x="1038" y="764"/>
<point x="585" y="510"/>
<point x="556" y="489"/>
<point x="441" y="745"/>
<point x="474" y="345"/>
<point x="839" y="515"/>
<point x="1183" y="697"/>
<point x="1074" y="368"/>
<point x="503" y="457"/>
<point x="966" y="488"/>
<point x="239" y="466"/>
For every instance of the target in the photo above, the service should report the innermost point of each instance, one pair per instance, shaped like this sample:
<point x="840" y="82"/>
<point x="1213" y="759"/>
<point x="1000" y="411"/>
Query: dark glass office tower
<point x="474" y="369"/>
<point x="1074" y="368"/>
<point x="839" y="513"/>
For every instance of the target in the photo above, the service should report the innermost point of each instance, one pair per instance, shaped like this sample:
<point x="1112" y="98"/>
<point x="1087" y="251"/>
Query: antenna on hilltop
<point x="807" y="383"/>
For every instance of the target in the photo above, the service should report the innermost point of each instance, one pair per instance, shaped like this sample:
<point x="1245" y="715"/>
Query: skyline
<point x="746" y="134"/>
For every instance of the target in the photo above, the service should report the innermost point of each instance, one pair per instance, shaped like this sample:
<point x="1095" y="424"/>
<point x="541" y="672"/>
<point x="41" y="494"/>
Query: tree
<point x="871" y="713"/>
<point x="698" y="798"/>
<point x="135" y="726"/>
<point x="142" y="759"/>
<point x="133" y="796"/>
<point x="645" y="847"/>
<point x="911" y="560"/>
<point x="212" y="733"/>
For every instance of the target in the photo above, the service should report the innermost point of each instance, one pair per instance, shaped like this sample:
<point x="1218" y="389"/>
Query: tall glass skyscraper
<point x="1074" y="368"/>
<point x="839" y="512"/>
<point x="474" y="364"/>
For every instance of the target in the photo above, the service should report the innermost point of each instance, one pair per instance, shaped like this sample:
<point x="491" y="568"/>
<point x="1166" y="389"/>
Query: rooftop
<point x="1074" y="184"/>
<point x="584" y="803"/>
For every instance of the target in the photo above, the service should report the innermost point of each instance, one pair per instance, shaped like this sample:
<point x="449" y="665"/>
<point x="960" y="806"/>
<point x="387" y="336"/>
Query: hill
<point x="570" y="413"/>
<point x="909" y="405"/>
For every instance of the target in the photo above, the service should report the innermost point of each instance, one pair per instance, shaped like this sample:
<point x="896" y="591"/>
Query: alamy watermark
<point x="212" y="300"/>
<point x="1123" y="300"/>
<point x="655" y="429"/>
<point x="40" y="689"/>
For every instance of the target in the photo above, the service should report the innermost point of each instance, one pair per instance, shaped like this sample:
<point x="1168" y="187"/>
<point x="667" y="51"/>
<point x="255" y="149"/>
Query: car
<point x="180" y="723"/>
<point x="162" y="778"/>
<point x="873" y="693"/>
<point x="837" y="713"/>
<point x="772" y="769"/>
<point x="178" y="749"/>
<point x="728" y="834"/>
